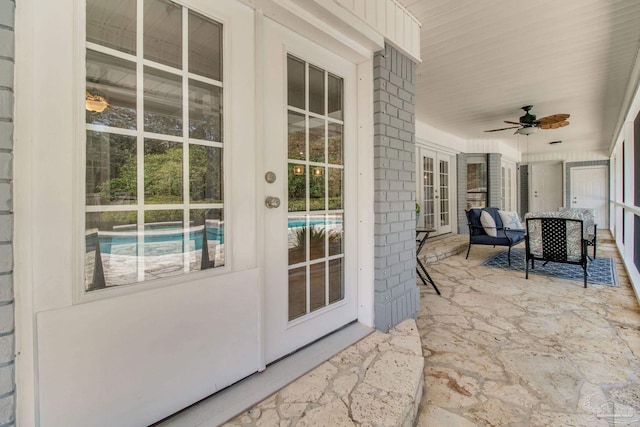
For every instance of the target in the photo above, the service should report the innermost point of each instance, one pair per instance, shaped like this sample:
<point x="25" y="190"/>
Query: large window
<point x="476" y="181"/>
<point x="154" y="142"/>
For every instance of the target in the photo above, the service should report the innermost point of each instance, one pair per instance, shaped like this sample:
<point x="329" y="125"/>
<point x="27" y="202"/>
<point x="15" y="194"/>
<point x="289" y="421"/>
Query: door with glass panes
<point x="434" y="191"/>
<point x="309" y="188"/>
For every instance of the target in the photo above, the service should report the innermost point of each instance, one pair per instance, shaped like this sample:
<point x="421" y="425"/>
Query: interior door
<point x="310" y="190"/>
<point x="589" y="190"/>
<point x="546" y="187"/>
<point x="434" y="192"/>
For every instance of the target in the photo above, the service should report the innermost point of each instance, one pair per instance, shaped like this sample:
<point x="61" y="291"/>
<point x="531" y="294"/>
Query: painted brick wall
<point x="494" y="175"/>
<point x="396" y="293"/>
<point x="7" y="335"/>
<point x="461" y="160"/>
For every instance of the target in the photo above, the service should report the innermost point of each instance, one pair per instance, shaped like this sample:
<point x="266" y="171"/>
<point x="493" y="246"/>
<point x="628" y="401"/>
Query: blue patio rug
<point x="602" y="271"/>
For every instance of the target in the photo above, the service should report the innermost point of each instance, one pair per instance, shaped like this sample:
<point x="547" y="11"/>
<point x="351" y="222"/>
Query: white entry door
<point x="589" y="190"/>
<point x="434" y="191"/>
<point x="310" y="169"/>
<point x="546" y="187"/>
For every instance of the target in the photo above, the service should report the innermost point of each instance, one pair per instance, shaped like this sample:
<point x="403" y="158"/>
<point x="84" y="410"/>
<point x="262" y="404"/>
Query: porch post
<point x="397" y="296"/>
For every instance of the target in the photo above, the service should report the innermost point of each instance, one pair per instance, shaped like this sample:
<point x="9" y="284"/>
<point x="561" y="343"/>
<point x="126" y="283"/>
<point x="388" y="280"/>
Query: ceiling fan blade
<point x="512" y="123"/>
<point x="548" y="125"/>
<point x="496" y="130"/>
<point x="553" y="119"/>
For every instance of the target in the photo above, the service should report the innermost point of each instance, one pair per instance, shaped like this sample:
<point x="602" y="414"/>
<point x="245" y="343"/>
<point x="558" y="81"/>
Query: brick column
<point x="7" y="333"/>
<point x="461" y="160"/>
<point x="397" y="296"/>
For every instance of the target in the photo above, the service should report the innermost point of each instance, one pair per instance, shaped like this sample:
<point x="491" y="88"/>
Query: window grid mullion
<point x="140" y="137"/>
<point x="185" y="142"/>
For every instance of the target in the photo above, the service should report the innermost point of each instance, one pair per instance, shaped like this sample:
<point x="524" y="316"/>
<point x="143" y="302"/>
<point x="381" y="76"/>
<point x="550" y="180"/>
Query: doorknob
<point x="272" y="202"/>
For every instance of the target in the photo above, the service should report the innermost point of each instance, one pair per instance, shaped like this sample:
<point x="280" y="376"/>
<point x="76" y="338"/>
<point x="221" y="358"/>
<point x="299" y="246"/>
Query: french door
<point x="309" y="188"/>
<point x="434" y="191"/>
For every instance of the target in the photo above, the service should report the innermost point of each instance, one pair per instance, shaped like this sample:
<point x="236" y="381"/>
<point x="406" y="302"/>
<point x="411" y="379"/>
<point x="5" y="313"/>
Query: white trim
<point x="366" y="219"/>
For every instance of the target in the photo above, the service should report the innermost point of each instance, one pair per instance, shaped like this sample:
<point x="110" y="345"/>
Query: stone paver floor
<point x="501" y="350"/>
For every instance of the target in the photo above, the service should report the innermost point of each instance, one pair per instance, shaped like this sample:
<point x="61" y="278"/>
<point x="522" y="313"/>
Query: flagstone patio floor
<point x="495" y="349"/>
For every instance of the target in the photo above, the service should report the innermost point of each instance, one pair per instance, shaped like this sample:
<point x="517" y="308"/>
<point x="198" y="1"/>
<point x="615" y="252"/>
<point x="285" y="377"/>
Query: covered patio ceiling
<point x="483" y="60"/>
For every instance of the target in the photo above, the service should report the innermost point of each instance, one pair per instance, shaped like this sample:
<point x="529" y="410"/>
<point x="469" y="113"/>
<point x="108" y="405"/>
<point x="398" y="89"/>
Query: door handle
<point x="272" y="202"/>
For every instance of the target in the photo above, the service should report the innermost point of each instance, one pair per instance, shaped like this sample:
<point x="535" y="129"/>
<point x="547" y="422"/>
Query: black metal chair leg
<point x="468" y="250"/>
<point x="509" y="256"/>
<point x="428" y="277"/>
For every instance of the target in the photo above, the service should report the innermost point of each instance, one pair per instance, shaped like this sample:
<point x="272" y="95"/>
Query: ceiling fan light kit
<point x="527" y="130"/>
<point x="528" y="123"/>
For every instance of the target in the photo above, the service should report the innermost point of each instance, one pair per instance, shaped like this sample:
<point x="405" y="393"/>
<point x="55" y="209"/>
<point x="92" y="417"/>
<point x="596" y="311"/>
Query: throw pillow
<point x="489" y="224"/>
<point x="511" y="220"/>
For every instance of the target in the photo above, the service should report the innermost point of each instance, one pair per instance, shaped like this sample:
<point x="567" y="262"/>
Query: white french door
<point x="589" y="190"/>
<point x="434" y="191"/>
<point x="310" y="191"/>
<point x="508" y="186"/>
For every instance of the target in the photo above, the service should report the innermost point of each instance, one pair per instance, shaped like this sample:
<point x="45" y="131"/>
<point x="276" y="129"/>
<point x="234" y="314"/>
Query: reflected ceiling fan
<point x="528" y="123"/>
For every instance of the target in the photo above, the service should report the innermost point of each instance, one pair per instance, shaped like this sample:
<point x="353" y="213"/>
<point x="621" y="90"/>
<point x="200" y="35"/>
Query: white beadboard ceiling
<point x="484" y="59"/>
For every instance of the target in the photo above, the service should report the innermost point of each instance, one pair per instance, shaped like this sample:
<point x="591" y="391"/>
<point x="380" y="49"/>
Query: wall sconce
<point x="95" y="103"/>
<point x="318" y="171"/>
<point x="298" y="170"/>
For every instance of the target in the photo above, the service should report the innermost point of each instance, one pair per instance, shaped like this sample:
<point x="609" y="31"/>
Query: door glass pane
<point x="110" y="98"/>
<point x="316" y="90"/>
<point x="317" y="237"/>
<point x="111" y="249"/>
<point x="163" y="243"/>
<point x="112" y="24"/>
<point x="297" y="292"/>
<point x="335" y="97"/>
<point x="295" y="83"/>
<point x="297" y="188"/>
<point x="315" y="193"/>
<point x="335" y="188"/>
<point x="162" y="172"/>
<point x="205" y="46"/>
<point x="162" y="102"/>
<point x="206" y="239"/>
<point x="163" y="32"/>
<point x="335" y="233"/>
<point x="296" y="132"/>
<point x="336" y="282"/>
<point x="335" y="143"/>
<point x="205" y="111"/>
<point x="317" y="286"/>
<point x="205" y="174"/>
<point x="317" y="188"/>
<point x="111" y="169"/>
<point x="316" y="140"/>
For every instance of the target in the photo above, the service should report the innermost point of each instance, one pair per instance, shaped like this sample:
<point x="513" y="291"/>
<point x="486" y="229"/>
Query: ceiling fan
<point x="528" y="123"/>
